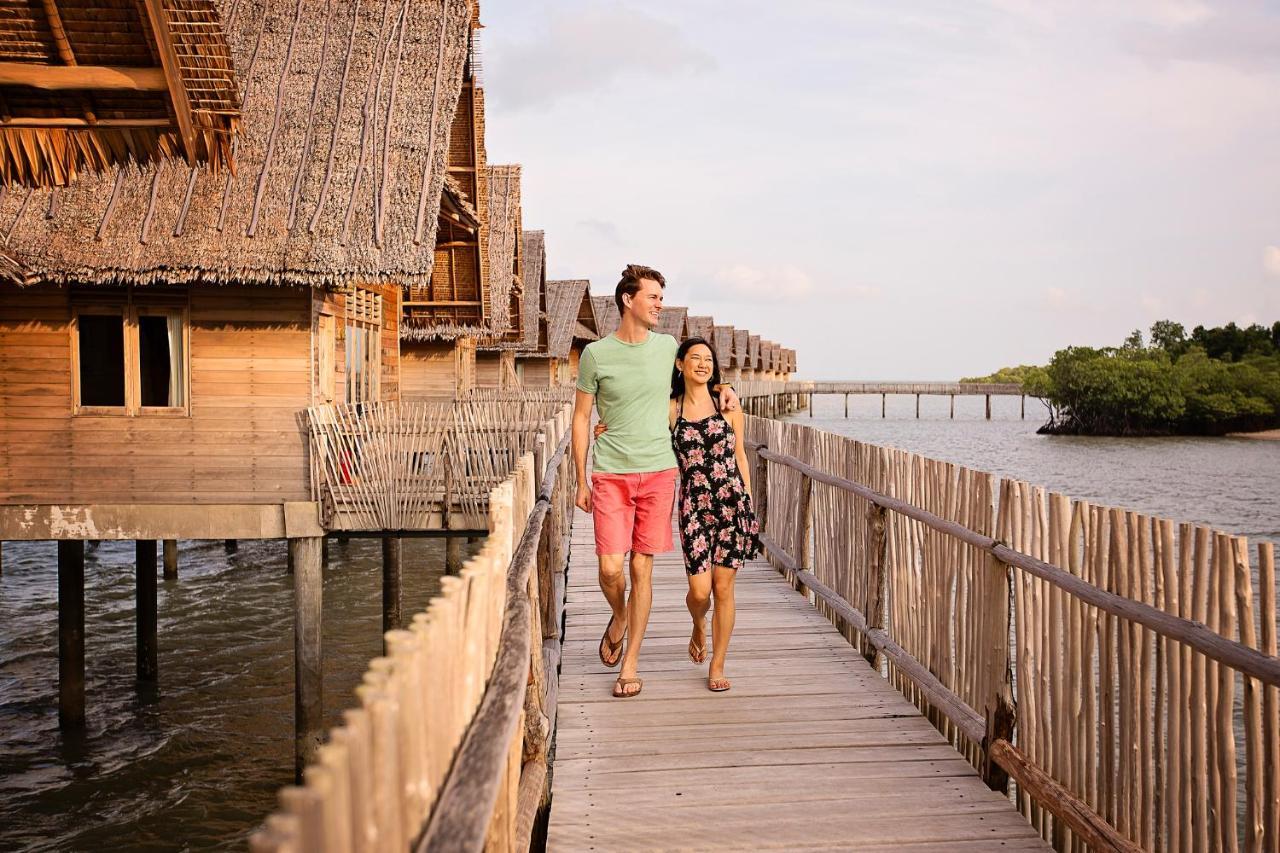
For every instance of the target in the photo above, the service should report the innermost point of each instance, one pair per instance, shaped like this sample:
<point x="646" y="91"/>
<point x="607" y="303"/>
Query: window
<point x="130" y="360"/>
<point x="363" y="350"/>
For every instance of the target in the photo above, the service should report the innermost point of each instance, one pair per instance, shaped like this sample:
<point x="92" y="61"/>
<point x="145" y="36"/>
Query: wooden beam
<point x="22" y="121"/>
<point x="59" y="32"/>
<point x="177" y="89"/>
<point x="56" y="78"/>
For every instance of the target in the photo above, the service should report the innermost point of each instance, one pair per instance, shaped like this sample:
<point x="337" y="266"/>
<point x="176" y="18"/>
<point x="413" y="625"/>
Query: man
<point x="627" y="376"/>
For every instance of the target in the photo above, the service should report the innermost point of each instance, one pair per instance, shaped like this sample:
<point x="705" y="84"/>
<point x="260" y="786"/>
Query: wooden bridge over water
<point x="931" y="657"/>
<point x="774" y="398"/>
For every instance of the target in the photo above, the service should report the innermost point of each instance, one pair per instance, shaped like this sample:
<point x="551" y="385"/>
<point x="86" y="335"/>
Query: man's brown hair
<point x="630" y="283"/>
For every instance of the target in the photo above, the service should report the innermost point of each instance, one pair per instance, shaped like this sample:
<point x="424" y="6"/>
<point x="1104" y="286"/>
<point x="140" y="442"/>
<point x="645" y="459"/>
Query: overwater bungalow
<point x="571" y="321"/>
<point x="752" y="369"/>
<point x="84" y="90"/>
<point x="496" y="355"/>
<point x="740" y="351"/>
<point x="531" y="368"/>
<point x="699" y="326"/>
<point x="606" y="314"/>
<point x="449" y="310"/>
<point x="673" y="321"/>
<point x="722" y="340"/>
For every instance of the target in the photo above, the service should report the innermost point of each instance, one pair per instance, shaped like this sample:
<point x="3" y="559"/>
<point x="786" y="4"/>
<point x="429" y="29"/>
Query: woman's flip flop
<point x="723" y="683"/>
<point x="697" y="654"/>
<point x="620" y="687"/>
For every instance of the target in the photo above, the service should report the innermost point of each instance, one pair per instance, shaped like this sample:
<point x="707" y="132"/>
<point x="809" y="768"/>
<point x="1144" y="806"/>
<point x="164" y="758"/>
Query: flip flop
<point x="612" y="647"/>
<point x="624" y="683"/>
<point x="726" y="686"/>
<point x="697" y="654"/>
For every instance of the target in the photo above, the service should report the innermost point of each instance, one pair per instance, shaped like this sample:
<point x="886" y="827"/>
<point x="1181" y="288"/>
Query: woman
<point x="718" y="530"/>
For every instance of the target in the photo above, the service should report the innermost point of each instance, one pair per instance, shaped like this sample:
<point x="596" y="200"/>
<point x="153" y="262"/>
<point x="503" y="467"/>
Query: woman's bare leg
<point x="698" y="600"/>
<point x="721" y="623"/>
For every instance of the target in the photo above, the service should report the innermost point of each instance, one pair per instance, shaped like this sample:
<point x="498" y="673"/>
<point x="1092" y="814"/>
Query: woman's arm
<point x="740" y="447"/>
<point x="671" y="414"/>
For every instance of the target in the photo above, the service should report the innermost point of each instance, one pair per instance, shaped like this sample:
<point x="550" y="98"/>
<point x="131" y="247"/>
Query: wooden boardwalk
<point x="811" y="749"/>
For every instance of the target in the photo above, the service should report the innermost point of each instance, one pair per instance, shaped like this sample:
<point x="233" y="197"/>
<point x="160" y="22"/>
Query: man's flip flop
<point x="711" y="682"/>
<point x="624" y="683"/>
<point x="612" y="647"/>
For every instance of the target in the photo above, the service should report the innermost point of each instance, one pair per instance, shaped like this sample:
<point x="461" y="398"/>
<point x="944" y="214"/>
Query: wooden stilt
<point x="883" y="405"/>
<point x="453" y="554"/>
<point x="392" y="548"/>
<point x="145" y="610"/>
<point x="846" y="405"/>
<point x="1024" y="407"/>
<point x="810" y="396"/>
<point x="953" y="407"/>
<point x="231" y="546"/>
<point x="170" y="559"/>
<point x="308" y="707"/>
<point x="988" y="407"/>
<point x="917" y="407"/>
<point x="71" y="634"/>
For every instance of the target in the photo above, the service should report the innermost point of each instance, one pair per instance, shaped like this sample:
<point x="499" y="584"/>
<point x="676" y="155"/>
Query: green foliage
<point x="1019" y="375"/>
<point x="1214" y="381"/>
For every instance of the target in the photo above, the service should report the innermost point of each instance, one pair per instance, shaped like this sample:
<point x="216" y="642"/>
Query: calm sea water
<point x="195" y="763"/>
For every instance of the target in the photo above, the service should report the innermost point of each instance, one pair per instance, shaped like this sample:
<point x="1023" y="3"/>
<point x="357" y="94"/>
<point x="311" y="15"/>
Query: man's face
<point x="646" y="305"/>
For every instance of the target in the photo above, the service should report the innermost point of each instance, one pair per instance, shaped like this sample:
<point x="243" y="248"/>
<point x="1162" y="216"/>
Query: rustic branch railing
<point x="418" y="465"/>
<point x="1126" y="727"/>
<point x="448" y="747"/>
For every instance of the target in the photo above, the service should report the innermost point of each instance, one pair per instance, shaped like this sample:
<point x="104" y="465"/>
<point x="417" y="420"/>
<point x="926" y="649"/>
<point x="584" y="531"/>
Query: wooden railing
<point x="418" y="465"/>
<point x="447" y="747"/>
<point x="1120" y="668"/>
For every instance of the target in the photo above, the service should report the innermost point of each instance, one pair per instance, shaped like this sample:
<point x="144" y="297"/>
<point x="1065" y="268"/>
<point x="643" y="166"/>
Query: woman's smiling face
<point x="697" y="365"/>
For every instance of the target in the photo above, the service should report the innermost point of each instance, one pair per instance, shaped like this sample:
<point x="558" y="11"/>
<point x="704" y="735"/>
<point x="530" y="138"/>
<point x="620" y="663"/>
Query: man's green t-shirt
<point x="631" y="384"/>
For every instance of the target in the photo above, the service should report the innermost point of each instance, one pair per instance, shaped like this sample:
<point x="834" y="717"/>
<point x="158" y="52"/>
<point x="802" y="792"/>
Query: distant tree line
<point x="1213" y="381"/>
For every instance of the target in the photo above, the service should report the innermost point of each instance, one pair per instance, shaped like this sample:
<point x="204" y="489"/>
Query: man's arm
<point x="728" y="397"/>
<point x="582" y="403"/>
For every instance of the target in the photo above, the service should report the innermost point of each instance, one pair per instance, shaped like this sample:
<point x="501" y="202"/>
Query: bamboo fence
<point x="384" y="776"/>
<point x="1172" y="747"/>
<point x="416" y="465"/>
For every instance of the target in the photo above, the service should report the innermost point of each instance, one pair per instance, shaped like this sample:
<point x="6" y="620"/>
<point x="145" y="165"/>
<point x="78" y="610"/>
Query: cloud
<point x="586" y="50"/>
<point x="1271" y="260"/>
<point x="602" y="229"/>
<point x="1243" y="36"/>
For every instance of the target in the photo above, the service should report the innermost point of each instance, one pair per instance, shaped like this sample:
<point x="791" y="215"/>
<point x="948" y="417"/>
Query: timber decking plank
<point x="811" y="749"/>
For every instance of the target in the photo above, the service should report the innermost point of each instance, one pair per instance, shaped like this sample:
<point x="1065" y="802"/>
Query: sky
<point x="903" y="190"/>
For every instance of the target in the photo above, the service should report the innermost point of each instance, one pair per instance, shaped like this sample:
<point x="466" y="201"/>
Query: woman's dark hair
<point x="677" y="378"/>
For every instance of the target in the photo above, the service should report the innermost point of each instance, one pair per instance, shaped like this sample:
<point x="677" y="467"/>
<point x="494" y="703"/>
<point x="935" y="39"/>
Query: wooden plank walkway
<point x="810" y="750"/>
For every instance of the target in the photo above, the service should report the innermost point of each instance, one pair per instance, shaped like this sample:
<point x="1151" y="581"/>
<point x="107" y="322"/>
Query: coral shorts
<point x="632" y="512"/>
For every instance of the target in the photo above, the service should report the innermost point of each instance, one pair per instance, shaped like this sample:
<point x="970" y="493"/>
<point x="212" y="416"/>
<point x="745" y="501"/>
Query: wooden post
<point x="145" y="609"/>
<point x="308" y="707"/>
<point x="810" y="396"/>
<point x="70" y="634"/>
<point x="953" y="407"/>
<point x="846" y="404"/>
<point x="1000" y="720"/>
<point x="231" y="546"/>
<point x="453" y="554"/>
<point x="760" y="490"/>
<point x="1024" y="407"/>
<point x="883" y="405"/>
<point x="804" y="529"/>
<point x="988" y="407"/>
<point x="392" y="550"/>
<point x="170" y="559"/>
<point x="917" y="407"/>
<point x="1" y="559"/>
<point x="876" y="578"/>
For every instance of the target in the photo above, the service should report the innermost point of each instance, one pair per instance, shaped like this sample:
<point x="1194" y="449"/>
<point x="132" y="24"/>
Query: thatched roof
<point x="753" y="352"/>
<point x="740" y="337"/>
<point x="699" y="326"/>
<point x="722" y="340"/>
<point x="533" y="318"/>
<point x="606" y="312"/>
<point x="339" y="172"/>
<point x="672" y="321"/>
<point x="504" y="230"/>
<point x="91" y="84"/>
<point x="564" y="306"/>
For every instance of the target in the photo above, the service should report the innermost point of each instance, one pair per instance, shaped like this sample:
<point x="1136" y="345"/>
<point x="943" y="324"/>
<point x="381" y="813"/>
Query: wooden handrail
<point x="465" y="805"/>
<point x="1250" y="662"/>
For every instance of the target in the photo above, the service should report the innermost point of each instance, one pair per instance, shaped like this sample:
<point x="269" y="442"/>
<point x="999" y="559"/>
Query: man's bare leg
<point x="638" y="604"/>
<point x="614" y="586"/>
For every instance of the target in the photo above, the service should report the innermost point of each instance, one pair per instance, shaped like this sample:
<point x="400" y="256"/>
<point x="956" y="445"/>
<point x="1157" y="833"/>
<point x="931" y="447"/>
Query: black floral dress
<point x="717" y="524"/>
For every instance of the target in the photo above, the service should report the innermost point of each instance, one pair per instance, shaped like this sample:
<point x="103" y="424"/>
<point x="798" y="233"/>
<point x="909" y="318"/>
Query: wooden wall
<point x="251" y="376"/>
<point x="536" y="372"/>
<point x="488" y="369"/>
<point x="428" y="371"/>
